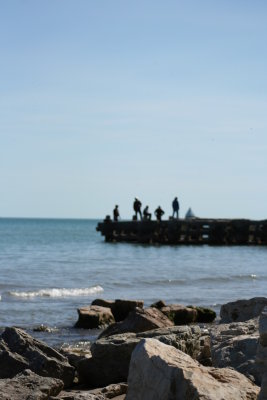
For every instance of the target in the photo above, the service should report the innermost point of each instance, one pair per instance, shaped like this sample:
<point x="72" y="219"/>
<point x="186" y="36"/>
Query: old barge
<point x="195" y="231"/>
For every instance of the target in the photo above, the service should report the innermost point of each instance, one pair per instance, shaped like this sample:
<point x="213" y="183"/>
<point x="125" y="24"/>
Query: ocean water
<point x="50" y="267"/>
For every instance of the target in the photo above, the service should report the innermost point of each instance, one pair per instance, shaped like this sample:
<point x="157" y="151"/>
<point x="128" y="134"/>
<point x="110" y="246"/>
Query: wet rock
<point x="139" y="320"/>
<point x="44" y="328"/>
<point x="161" y="372"/>
<point x="159" y="304"/>
<point x="29" y="386"/>
<point x="20" y="351"/>
<point x="111" y="355"/>
<point x="120" y="308"/>
<point x="92" y="317"/>
<point x="235" y="345"/>
<point x="204" y="314"/>
<point x="242" y="310"/>
<point x="179" y="314"/>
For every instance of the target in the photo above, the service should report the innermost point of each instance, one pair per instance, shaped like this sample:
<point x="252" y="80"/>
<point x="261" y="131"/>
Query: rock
<point x="111" y="355"/>
<point x="116" y="392"/>
<point x="109" y="362"/>
<point x="261" y="357"/>
<point x="263" y="327"/>
<point x="139" y="320"/>
<point x="263" y="391"/>
<point x="159" y="304"/>
<point x="29" y="386"/>
<point x="242" y="310"/>
<point x="204" y="314"/>
<point x="235" y="345"/>
<point x="76" y="353"/>
<point x="20" y="351"/>
<point x="78" y="395"/>
<point x="161" y="372"/>
<point x="112" y="391"/>
<point x="44" y="328"/>
<point x="120" y="308"/>
<point x="179" y="314"/>
<point x="92" y="317"/>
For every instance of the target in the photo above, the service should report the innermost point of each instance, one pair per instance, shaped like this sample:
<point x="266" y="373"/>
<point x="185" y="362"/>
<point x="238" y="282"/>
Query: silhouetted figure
<point x="175" y="208"/>
<point x="116" y="213"/>
<point x="159" y="212"/>
<point x="147" y="215"/>
<point x="137" y="207"/>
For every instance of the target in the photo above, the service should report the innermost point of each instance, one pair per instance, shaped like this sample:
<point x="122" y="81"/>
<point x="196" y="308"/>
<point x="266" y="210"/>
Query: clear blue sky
<point x="102" y="101"/>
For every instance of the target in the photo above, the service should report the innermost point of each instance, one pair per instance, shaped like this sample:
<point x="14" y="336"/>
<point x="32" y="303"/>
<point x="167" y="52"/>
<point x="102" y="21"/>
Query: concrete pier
<point x="195" y="231"/>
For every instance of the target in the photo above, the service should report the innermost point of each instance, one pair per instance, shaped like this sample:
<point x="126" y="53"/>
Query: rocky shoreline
<point x="165" y="351"/>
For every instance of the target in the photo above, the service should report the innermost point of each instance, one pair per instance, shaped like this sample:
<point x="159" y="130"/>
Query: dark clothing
<point x="175" y="207"/>
<point x="159" y="212"/>
<point x="146" y="214"/>
<point x="137" y="208"/>
<point x="116" y="213"/>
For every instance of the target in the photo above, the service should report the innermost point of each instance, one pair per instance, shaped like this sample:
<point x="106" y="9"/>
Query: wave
<point x="229" y="278"/>
<point x="59" y="292"/>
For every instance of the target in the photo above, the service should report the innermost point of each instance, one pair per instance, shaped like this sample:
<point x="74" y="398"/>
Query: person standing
<point x="137" y="208"/>
<point x="116" y="213"/>
<point x="175" y="208"/>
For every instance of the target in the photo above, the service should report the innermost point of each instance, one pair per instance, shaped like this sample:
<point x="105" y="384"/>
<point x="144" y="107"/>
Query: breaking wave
<point x="57" y="292"/>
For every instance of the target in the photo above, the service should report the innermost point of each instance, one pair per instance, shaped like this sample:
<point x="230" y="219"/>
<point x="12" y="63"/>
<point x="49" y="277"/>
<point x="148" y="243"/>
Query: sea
<point x="51" y="267"/>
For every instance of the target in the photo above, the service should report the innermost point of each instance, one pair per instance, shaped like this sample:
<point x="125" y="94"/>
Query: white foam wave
<point x="57" y="292"/>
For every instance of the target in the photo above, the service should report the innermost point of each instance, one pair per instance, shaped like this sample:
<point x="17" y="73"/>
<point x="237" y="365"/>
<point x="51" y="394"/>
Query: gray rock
<point x="20" y="351"/>
<point x="94" y="317"/>
<point x="112" y="391"/>
<point x="109" y="362"/>
<point x="139" y="320"/>
<point x="242" y="310"/>
<point x="29" y="386"/>
<point x="161" y="372"/>
<point x="78" y="395"/>
<point x="111" y="356"/>
<point x="263" y="391"/>
<point x="261" y="357"/>
<point x="235" y="345"/>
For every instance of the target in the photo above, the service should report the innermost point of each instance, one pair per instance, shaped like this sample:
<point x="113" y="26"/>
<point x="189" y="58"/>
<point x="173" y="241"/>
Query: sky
<point x="104" y="101"/>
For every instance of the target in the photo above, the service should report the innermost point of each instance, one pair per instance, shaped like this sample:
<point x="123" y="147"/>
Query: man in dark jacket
<point x="137" y="207"/>
<point x="175" y="207"/>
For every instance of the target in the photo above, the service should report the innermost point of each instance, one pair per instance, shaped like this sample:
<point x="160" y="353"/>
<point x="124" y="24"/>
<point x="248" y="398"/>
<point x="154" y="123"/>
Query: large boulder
<point x="120" y="308"/>
<point x="161" y="372"/>
<point x="94" y="317"/>
<point x="109" y="362"/>
<point x="242" y="310"/>
<point x="235" y="345"/>
<point x="111" y="355"/>
<point x="261" y="357"/>
<point x="29" y="386"/>
<point x="20" y="351"/>
<point x="139" y="320"/>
